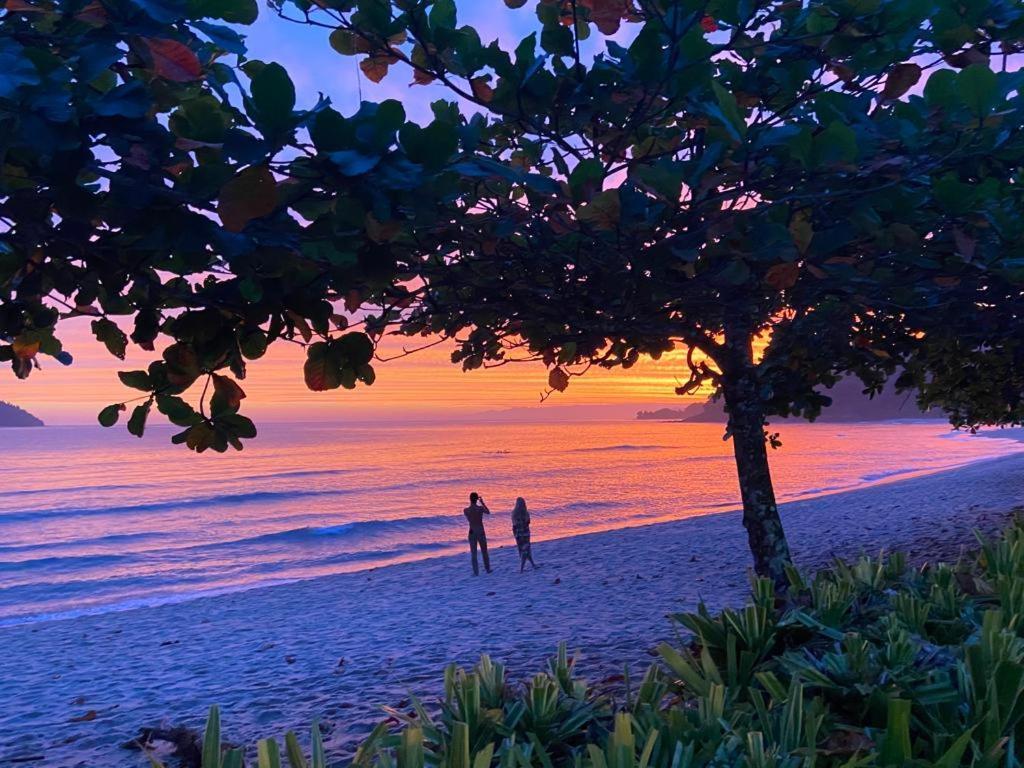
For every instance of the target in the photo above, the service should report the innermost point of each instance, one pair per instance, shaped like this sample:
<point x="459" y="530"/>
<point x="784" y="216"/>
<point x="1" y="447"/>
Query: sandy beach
<point x="338" y="647"/>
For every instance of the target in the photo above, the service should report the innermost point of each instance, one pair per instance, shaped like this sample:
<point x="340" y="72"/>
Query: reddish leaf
<point x="481" y="89"/>
<point x="966" y="58"/>
<point x="965" y="244"/>
<point x="172" y="60"/>
<point x="321" y="370"/>
<point x="782" y="276"/>
<point x="558" y="379"/>
<point x="301" y="325"/>
<point x="844" y="73"/>
<point x="182" y="365"/>
<point x="249" y="195"/>
<point x="93" y="13"/>
<point x="25" y="350"/>
<point x="708" y="24"/>
<point x="901" y="79"/>
<point x="20" y="6"/>
<point x="419" y="77"/>
<point x="606" y="14"/>
<point x="382" y="231"/>
<point x="375" y="67"/>
<point x="228" y="389"/>
<point x="603" y="211"/>
<point x="353" y="300"/>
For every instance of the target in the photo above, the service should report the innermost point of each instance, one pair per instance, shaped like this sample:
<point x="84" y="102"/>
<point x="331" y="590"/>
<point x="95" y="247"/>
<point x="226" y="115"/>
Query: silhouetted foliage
<point x="831" y="177"/>
<point x="840" y="179"/>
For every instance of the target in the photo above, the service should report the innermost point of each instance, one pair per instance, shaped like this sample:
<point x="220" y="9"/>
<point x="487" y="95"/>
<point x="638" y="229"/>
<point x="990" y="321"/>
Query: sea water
<point x="95" y="520"/>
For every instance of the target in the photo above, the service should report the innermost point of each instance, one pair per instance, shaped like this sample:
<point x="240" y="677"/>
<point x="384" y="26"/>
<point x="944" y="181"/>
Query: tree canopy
<point x="790" y="191"/>
<point x="833" y="178"/>
<point x="153" y="173"/>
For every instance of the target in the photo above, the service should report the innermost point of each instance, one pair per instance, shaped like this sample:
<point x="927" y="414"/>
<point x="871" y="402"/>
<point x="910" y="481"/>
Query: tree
<point x="826" y="178"/>
<point x="153" y="173"/>
<point x="761" y="184"/>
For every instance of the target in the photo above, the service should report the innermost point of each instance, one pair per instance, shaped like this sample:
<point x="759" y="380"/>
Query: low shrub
<point x="867" y="664"/>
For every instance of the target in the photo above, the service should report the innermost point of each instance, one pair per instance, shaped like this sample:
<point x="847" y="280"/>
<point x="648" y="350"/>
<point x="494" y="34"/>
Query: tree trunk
<point x="744" y="402"/>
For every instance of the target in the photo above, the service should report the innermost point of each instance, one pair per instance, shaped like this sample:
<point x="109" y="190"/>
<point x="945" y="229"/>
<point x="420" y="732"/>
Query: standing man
<point x="475" y="515"/>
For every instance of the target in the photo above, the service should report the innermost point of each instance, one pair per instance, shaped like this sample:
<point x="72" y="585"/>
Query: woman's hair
<point x="520" y="507"/>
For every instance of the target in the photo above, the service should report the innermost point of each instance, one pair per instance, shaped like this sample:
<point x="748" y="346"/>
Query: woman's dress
<point x="521" y="530"/>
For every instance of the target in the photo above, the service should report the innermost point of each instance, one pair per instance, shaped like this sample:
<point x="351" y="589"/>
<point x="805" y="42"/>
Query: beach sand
<point x="336" y="648"/>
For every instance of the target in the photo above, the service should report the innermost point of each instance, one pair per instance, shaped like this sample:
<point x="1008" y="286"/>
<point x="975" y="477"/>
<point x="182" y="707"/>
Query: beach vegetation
<point x="868" y="663"/>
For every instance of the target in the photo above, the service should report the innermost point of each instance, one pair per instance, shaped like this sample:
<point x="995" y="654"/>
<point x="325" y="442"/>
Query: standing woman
<point x="521" y="530"/>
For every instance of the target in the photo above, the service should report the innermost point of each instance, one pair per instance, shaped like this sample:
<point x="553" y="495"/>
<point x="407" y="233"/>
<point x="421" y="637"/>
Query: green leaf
<point x="977" y="86"/>
<point x="274" y="96"/>
<point x="941" y="89"/>
<point x="113" y="338"/>
<point x="211" y="739"/>
<point x="177" y="410"/>
<point x="254" y="345"/>
<point x="232" y="11"/>
<point x="356" y="347"/>
<point x="896" y="744"/>
<point x="241" y="425"/>
<point x="952" y="757"/>
<point x="200" y="119"/>
<point x="294" y="752"/>
<point x="353" y="163"/>
<point x="443" y="14"/>
<point x="319" y="759"/>
<point x="603" y="211"/>
<point x="836" y="144"/>
<point x="136" y="380"/>
<point x="108" y="416"/>
<point x="586" y="179"/>
<point x="344" y="42"/>
<point x="331" y="132"/>
<point x="432" y="146"/>
<point x="267" y="754"/>
<point x="249" y="195"/>
<point x="137" y="422"/>
<point x="730" y="112"/>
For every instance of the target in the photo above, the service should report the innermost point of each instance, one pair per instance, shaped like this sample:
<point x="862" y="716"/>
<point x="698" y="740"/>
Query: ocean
<point x="94" y="521"/>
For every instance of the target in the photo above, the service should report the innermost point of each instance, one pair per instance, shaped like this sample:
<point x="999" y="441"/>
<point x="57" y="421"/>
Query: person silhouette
<point x="521" y="530"/>
<point x="477" y="536"/>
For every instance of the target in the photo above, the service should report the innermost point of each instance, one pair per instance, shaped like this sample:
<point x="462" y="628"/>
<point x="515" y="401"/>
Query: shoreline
<point x="150" y="602"/>
<point x="338" y="647"/>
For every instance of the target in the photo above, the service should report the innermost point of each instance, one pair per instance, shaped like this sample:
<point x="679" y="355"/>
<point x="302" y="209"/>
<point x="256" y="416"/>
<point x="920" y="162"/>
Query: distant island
<point x="13" y="416"/>
<point x="849" y="403"/>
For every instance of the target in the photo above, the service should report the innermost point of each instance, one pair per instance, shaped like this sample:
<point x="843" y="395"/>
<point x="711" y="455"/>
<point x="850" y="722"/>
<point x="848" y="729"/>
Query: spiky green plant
<point x="869" y="664"/>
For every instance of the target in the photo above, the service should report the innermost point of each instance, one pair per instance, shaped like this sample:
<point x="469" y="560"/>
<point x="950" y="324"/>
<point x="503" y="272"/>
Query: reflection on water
<point x="93" y="520"/>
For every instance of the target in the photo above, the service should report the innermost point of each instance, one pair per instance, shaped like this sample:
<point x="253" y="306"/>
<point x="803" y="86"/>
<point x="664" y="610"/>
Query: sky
<point x="424" y="385"/>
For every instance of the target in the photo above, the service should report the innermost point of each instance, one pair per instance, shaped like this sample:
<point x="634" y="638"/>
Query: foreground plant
<point x="869" y="664"/>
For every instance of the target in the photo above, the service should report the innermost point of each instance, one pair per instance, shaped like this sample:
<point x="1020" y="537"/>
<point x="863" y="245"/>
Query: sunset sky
<point x="422" y="385"/>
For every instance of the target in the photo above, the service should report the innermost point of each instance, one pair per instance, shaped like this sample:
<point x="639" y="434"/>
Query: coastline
<point x="338" y="647"/>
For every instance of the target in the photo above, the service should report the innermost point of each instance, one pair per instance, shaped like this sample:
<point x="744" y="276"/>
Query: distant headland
<point x="13" y="416"/>
<point x="849" y="404"/>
